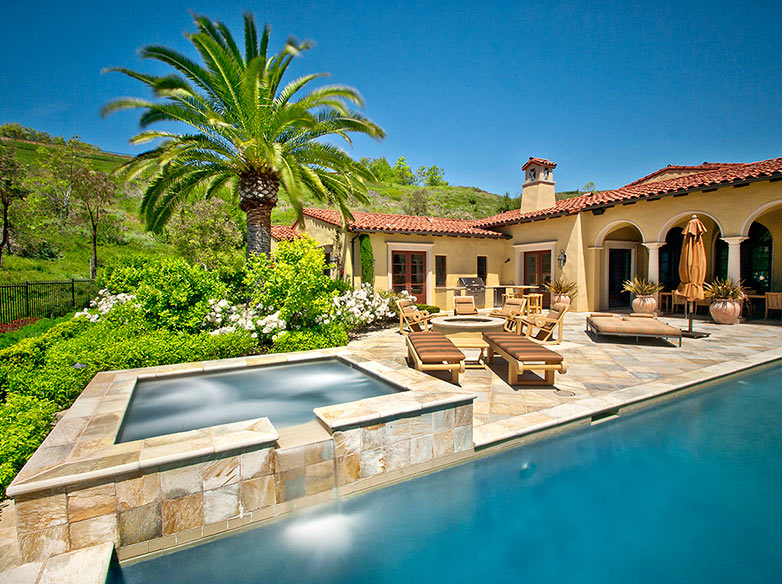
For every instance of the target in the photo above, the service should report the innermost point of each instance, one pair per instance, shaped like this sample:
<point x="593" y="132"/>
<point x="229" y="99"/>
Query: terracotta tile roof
<point x="725" y="174"/>
<point x="284" y="232"/>
<point x="685" y="169"/>
<point x="386" y="223"/>
<point x="539" y="161"/>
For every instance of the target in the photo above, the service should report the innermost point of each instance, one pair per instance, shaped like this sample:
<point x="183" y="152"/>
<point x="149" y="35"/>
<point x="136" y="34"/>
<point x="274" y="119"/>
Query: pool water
<point x="684" y="492"/>
<point x="286" y="394"/>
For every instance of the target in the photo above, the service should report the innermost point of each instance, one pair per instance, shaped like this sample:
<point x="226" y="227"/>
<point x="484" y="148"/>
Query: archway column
<point x="653" y="272"/>
<point x="734" y="256"/>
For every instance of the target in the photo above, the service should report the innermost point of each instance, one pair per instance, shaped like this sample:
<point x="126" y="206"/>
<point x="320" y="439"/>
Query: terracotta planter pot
<point x="560" y="299"/>
<point x="725" y="311"/>
<point x="645" y="304"/>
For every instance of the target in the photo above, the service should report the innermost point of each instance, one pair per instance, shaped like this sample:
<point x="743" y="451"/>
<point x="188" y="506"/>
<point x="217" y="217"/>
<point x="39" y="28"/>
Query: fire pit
<point x="466" y="324"/>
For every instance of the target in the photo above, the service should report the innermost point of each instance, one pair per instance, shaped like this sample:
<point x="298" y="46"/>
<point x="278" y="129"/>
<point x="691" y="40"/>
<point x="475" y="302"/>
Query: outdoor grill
<point x="476" y="288"/>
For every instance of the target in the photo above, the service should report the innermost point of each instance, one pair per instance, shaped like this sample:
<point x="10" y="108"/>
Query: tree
<point x="588" y="188"/>
<point x="206" y="233"/>
<point x="55" y="174"/>
<point x="94" y="190"/>
<point x="250" y="133"/>
<point x="416" y="203"/>
<point x="508" y="203"/>
<point x="403" y="175"/>
<point x="380" y="168"/>
<point x="431" y="177"/>
<point x="11" y="189"/>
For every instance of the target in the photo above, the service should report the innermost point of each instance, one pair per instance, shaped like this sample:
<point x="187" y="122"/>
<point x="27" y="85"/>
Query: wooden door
<point x="408" y="272"/>
<point x="619" y="270"/>
<point x="537" y="271"/>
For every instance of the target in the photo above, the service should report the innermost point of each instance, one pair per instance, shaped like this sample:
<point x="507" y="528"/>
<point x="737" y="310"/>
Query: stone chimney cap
<point x="540" y="162"/>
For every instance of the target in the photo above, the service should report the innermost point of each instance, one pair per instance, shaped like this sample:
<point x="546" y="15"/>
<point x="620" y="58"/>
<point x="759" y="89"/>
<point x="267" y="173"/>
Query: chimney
<point x="538" y="190"/>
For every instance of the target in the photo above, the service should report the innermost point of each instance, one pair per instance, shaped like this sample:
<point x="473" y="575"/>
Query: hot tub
<point x="285" y="393"/>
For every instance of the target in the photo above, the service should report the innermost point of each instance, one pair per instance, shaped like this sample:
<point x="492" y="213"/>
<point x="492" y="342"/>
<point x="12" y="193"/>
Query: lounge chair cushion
<point x="633" y="326"/>
<point x="520" y="348"/>
<point x="434" y="347"/>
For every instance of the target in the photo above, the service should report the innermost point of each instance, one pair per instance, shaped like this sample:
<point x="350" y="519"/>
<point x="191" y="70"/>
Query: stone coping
<point x="85" y="566"/>
<point x="81" y="448"/>
<point x="543" y="423"/>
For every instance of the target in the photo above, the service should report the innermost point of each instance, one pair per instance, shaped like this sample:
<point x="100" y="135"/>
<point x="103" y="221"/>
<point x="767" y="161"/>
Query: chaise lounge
<point x="632" y="325"/>
<point x="433" y="351"/>
<point x="523" y="355"/>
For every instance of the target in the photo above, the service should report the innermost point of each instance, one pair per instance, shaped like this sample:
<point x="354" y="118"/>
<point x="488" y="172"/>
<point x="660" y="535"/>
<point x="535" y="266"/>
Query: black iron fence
<point x="44" y="299"/>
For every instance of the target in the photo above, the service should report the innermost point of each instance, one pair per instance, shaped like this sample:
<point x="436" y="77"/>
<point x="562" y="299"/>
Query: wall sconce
<point x="561" y="258"/>
<point x="507" y="260"/>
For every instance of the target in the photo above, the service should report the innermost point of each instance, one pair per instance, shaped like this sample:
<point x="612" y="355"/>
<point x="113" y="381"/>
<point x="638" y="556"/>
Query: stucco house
<point x="597" y="240"/>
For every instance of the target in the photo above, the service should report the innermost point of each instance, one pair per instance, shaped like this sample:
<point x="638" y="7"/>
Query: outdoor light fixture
<point x="561" y="258"/>
<point x="507" y="260"/>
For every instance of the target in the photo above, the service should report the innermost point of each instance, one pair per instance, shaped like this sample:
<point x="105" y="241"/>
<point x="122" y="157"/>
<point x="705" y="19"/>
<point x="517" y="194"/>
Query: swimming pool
<point x="684" y="492"/>
<point x="285" y="393"/>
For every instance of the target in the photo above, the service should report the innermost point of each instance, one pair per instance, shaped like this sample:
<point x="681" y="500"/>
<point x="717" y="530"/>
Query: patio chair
<point x="541" y="329"/>
<point x="464" y="305"/>
<point x="534" y="303"/>
<point x="511" y="308"/>
<point x="773" y="301"/>
<point x="416" y="320"/>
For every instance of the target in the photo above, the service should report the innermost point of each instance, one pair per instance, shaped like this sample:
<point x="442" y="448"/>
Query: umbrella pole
<point x="689" y="333"/>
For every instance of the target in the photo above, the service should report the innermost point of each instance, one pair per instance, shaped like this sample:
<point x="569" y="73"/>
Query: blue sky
<point x="609" y="91"/>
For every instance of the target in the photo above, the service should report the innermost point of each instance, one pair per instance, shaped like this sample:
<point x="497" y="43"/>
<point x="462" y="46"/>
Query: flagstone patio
<point x="595" y="368"/>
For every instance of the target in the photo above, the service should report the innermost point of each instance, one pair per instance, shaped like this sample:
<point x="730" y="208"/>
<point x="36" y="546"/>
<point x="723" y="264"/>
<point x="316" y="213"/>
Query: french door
<point x="620" y="262"/>
<point x="408" y="272"/>
<point x="537" y="271"/>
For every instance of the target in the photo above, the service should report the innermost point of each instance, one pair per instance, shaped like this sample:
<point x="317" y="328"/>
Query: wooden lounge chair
<point x="432" y="351"/>
<point x="632" y="325"/>
<point x="416" y="320"/>
<point x="541" y="328"/>
<point x="511" y="308"/>
<point x="464" y="306"/>
<point x="523" y="355"/>
<point x="773" y="301"/>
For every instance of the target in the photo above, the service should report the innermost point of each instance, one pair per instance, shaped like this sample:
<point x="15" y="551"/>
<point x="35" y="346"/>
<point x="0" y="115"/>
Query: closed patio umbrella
<point x="692" y="269"/>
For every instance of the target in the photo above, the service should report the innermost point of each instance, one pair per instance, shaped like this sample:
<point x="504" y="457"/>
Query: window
<point x="439" y="270"/>
<point x="546" y="174"/>
<point x="531" y="174"/>
<point x="481" y="269"/>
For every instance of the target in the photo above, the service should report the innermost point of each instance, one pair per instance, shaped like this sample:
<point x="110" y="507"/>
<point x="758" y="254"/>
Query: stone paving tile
<point x="594" y="367"/>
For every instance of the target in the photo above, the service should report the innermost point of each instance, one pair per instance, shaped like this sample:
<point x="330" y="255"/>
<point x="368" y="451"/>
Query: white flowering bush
<point x="362" y="307"/>
<point x="224" y="317"/>
<point x="104" y="303"/>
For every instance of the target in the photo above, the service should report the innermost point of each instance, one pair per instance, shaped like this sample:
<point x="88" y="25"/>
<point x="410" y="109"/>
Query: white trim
<point x="609" y="227"/>
<point x="392" y="246"/>
<point x="614" y="244"/>
<point x="521" y="248"/>
<point x="688" y="214"/>
<point x="755" y="214"/>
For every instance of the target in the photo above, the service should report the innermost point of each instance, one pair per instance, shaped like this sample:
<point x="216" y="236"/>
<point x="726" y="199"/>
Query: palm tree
<point x="251" y="133"/>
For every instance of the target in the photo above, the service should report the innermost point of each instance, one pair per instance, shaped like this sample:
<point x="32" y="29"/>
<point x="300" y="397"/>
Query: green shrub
<point x="428" y="307"/>
<point x="33" y="329"/>
<point x="24" y="423"/>
<point x="367" y="259"/>
<point x="306" y="340"/>
<point x="172" y="293"/>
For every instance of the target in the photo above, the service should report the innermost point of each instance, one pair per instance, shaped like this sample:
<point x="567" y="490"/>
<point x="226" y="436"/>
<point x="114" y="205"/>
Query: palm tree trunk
<point x="257" y="198"/>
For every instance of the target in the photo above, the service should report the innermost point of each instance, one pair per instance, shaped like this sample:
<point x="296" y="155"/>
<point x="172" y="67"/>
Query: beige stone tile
<point x="421" y="425"/>
<point x="347" y="442"/>
<point x="86" y="566"/>
<point x="221" y="472"/>
<point x="140" y="524"/>
<point x="320" y="477"/>
<point x="132" y="551"/>
<point x="178" y="482"/>
<point x="183" y="514"/>
<point x="463" y="415"/>
<point x="215" y="528"/>
<point x="162" y="543"/>
<point x="397" y="455"/>
<point x="462" y="438"/>
<point x="139" y="491"/>
<point x="35" y="546"/>
<point x="257" y="493"/>
<point x="373" y="462"/>
<point x="257" y="463"/>
<point x="442" y="420"/>
<point x="289" y="458"/>
<point x="190" y="535"/>
<point x="443" y="444"/>
<point x="24" y="574"/>
<point x="41" y="512"/>
<point x="94" y="531"/>
<point x="348" y="468"/>
<point x="421" y="449"/>
<point x="373" y="436"/>
<point x="222" y="503"/>
<point x="290" y="484"/>
<point x="91" y="502"/>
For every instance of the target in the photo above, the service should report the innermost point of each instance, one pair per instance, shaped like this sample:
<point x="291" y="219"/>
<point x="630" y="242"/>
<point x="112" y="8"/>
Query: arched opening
<point x="624" y="257"/>
<point x="670" y="253"/>
<point x="756" y="259"/>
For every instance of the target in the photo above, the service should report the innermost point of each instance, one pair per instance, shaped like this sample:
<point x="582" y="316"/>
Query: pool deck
<point x="605" y="376"/>
<point x="606" y="373"/>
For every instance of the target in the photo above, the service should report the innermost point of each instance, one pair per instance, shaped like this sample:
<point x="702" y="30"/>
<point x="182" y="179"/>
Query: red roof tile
<point x="540" y="162"/>
<point x="284" y="232"/>
<point x="386" y="223"/>
<point x="687" y="169"/>
<point x="725" y="174"/>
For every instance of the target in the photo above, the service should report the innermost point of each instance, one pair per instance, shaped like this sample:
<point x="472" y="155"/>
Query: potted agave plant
<point x="562" y="291"/>
<point x="727" y="298"/>
<point x="643" y="291"/>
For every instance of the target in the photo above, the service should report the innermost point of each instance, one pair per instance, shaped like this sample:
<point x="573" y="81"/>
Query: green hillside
<point x="27" y="152"/>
